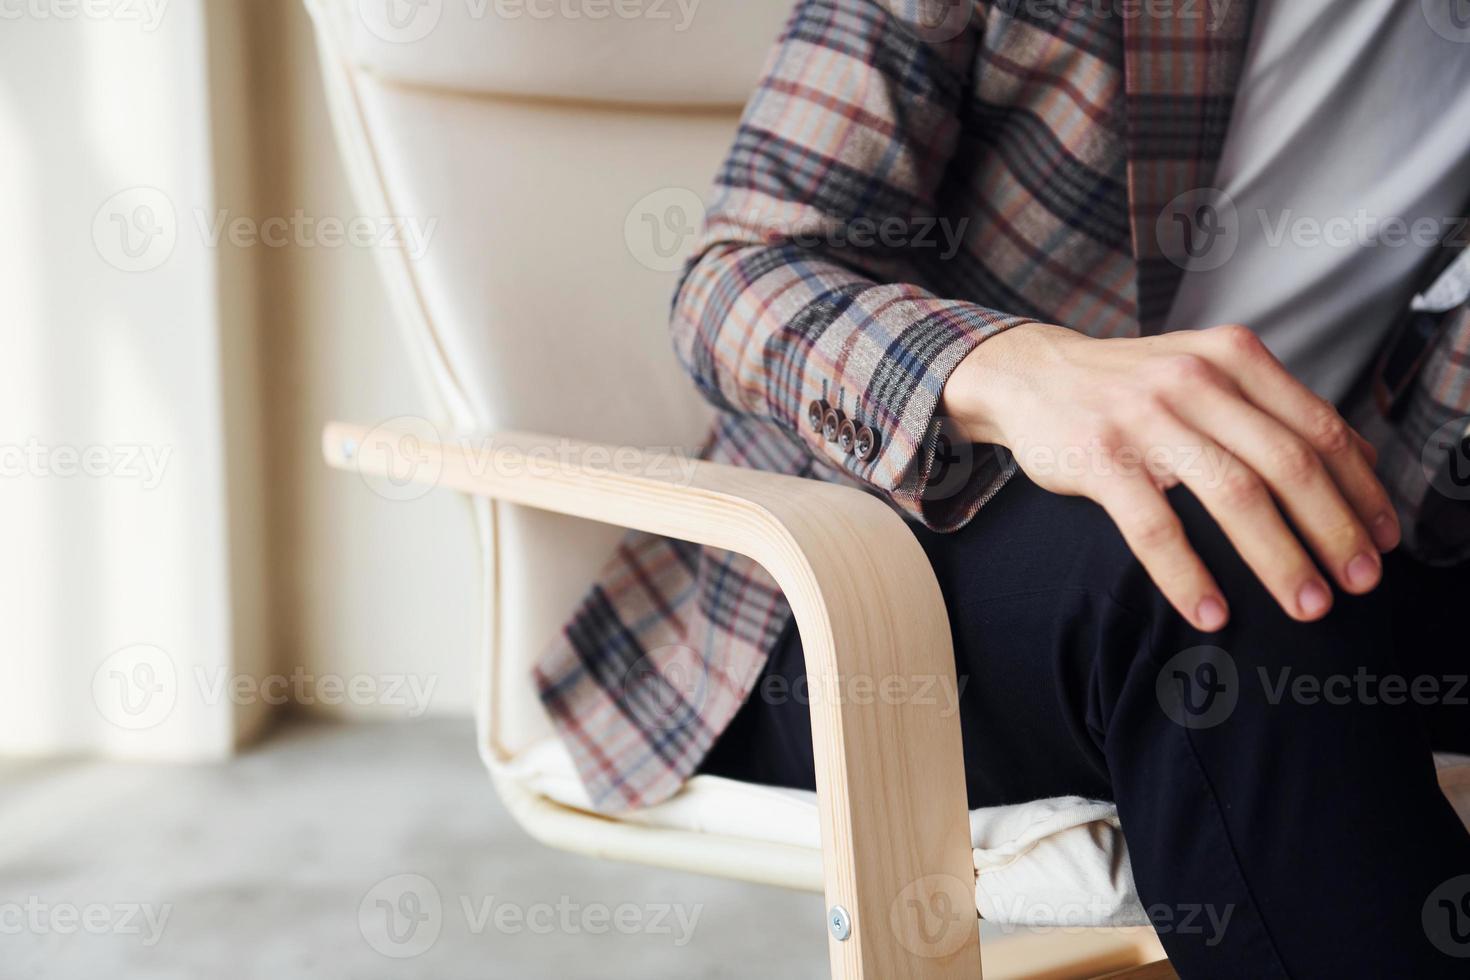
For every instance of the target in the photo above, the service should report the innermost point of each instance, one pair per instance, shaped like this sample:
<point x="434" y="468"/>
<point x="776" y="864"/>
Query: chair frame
<point x="889" y="771"/>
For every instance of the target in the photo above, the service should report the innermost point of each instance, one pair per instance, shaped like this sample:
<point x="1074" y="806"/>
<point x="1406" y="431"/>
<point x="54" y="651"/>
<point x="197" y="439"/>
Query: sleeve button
<point x="831" y="423"/>
<point x="847" y="436"/>
<point x="816" y="414"/>
<point x="866" y="444"/>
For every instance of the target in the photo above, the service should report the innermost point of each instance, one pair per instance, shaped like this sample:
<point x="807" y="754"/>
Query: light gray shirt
<point x="1347" y="158"/>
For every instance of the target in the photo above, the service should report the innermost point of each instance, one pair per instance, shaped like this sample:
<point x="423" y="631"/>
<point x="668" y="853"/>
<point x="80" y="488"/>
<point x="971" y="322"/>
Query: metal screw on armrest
<point x="840" y="923"/>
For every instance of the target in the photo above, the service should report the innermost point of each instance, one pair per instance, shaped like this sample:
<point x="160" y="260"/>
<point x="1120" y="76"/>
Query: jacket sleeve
<point x="812" y="280"/>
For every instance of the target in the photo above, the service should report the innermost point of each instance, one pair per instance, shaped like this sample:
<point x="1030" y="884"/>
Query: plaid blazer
<point x="909" y="178"/>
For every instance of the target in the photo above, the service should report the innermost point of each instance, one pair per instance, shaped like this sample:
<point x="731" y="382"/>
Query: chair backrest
<point x="557" y="152"/>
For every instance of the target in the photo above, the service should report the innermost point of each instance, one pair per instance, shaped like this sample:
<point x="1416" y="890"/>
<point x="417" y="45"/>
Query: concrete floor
<point x="287" y="862"/>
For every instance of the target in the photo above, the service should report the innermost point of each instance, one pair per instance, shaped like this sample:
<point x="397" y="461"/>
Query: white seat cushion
<point x="1057" y="862"/>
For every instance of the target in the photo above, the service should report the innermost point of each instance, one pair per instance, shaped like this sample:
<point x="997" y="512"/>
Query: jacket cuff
<point x="893" y="437"/>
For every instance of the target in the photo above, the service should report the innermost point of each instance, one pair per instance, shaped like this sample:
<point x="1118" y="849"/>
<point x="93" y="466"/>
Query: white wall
<point x="175" y="560"/>
<point x="130" y="552"/>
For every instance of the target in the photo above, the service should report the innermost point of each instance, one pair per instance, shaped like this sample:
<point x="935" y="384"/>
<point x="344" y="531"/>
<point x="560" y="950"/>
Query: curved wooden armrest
<point x="890" y="773"/>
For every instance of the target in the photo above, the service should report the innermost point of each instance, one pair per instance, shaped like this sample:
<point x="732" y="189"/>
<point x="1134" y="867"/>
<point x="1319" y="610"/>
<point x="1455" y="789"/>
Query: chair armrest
<point x="890" y="772"/>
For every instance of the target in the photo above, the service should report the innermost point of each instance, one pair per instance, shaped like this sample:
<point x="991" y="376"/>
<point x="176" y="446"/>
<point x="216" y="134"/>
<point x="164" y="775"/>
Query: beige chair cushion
<point x="666" y="52"/>
<point x="543" y="153"/>
<point x="546" y="317"/>
<point x="1057" y="862"/>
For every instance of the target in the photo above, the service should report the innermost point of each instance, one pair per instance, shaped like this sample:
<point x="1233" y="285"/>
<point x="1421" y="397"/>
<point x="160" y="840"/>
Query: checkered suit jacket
<point x="909" y="178"/>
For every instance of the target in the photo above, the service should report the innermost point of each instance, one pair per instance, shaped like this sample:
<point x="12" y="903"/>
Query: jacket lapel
<point x="1182" y="62"/>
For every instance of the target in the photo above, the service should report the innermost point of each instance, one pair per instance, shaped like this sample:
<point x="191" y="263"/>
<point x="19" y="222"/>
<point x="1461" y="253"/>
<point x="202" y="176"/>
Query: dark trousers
<point x="1276" y="773"/>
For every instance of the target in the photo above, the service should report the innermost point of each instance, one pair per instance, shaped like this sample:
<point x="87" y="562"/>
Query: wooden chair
<point x="553" y="154"/>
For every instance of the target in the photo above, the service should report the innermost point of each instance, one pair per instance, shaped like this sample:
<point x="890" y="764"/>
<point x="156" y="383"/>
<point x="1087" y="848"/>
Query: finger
<point x="1369" y="451"/>
<point x="1155" y="535"/>
<point x="1295" y="474"/>
<point x="1240" y="502"/>
<point x="1266" y="382"/>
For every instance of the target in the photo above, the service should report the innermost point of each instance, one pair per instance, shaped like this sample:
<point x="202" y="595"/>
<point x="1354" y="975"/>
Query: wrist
<point x="995" y="380"/>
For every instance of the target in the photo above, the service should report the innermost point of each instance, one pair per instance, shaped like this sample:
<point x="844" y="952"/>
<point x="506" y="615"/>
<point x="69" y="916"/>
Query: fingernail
<point x="1212" y="614"/>
<point x="1362" y="571"/>
<point x="1386" y="532"/>
<point x="1314" y="599"/>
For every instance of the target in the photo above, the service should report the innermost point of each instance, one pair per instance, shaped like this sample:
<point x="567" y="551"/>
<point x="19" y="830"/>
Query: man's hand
<point x="1120" y="421"/>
